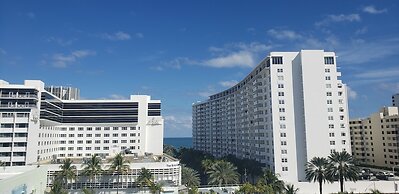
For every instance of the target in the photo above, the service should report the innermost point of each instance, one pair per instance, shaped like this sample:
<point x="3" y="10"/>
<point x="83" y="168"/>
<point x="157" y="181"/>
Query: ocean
<point x="178" y="142"/>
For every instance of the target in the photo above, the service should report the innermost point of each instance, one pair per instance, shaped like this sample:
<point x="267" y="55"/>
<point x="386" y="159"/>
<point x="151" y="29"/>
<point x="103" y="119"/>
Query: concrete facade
<point x="289" y="109"/>
<point x="375" y="140"/>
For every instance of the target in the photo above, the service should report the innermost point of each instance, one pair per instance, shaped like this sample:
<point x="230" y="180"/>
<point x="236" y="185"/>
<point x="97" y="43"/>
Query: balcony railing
<point x="18" y="96"/>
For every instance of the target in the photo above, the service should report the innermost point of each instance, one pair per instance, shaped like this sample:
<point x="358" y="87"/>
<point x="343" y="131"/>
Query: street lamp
<point x="394" y="184"/>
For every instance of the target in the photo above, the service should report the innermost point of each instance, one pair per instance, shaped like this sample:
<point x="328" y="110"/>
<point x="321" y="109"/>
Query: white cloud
<point x="178" y="125"/>
<point x="116" y="36"/>
<point x="139" y="35"/>
<point x="391" y="87"/>
<point x="372" y="10"/>
<point x="228" y="84"/>
<point x="351" y="93"/>
<point x="117" y="97"/>
<point x="62" y="60"/>
<point x="339" y="18"/>
<point x="284" y="34"/>
<point x="236" y="59"/>
<point x="362" y="52"/>
<point x="61" y="41"/>
<point x="385" y="73"/>
<point x="361" y="31"/>
<point x="236" y="55"/>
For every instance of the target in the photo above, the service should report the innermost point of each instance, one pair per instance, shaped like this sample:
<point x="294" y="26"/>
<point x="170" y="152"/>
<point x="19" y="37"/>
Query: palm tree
<point x="190" y="177"/>
<point x="207" y="164"/>
<point x="290" y="189"/>
<point x="247" y="188"/>
<point x="169" y="150"/>
<point x="223" y="172"/>
<point x="270" y="178"/>
<point x="341" y="165"/>
<point x="68" y="171"/>
<point x="155" y="188"/>
<point x="92" y="167"/>
<point x="120" y="166"/>
<point x="57" y="187"/>
<point x="316" y="170"/>
<point x="145" y="177"/>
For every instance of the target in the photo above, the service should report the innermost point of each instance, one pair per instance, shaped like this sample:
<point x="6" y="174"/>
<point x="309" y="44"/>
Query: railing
<point x="18" y="96"/>
<point x="17" y="106"/>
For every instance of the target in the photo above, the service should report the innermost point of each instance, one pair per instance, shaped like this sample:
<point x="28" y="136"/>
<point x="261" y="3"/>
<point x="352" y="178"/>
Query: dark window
<point x="329" y="60"/>
<point x="277" y="60"/>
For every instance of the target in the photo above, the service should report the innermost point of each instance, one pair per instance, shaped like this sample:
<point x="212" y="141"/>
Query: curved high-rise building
<point x="289" y="109"/>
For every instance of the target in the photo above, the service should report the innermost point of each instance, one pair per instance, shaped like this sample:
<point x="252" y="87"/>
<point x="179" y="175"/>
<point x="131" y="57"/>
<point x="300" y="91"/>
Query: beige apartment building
<point x="375" y="140"/>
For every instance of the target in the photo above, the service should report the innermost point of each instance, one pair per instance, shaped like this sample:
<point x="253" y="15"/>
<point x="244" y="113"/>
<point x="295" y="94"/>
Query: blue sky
<point x="183" y="51"/>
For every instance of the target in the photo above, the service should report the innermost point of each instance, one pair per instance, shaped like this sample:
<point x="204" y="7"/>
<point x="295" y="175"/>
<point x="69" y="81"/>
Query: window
<point x="282" y="126"/>
<point x="329" y="101"/>
<point x="71" y="142"/>
<point x="124" y="134"/>
<point x="89" y="129"/>
<point x="71" y="128"/>
<point x="328" y="78"/>
<point x="281" y="109"/>
<point x="80" y="128"/>
<point x="332" y="142"/>
<point x="97" y="141"/>
<point x="79" y="148"/>
<point x="283" y="143"/>
<point x="98" y="128"/>
<point x="98" y="135"/>
<point x="280" y="86"/>
<point x="283" y="151"/>
<point x="115" y="135"/>
<point x="123" y="141"/>
<point x="329" y="93"/>
<point x="330" y="109"/>
<point x="328" y="85"/>
<point x="330" y="118"/>
<point x="88" y="148"/>
<point x="97" y="148"/>
<point x="105" y="148"/>
<point x="280" y="77"/>
<point x="106" y="141"/>
<point x="327" y="70"/>
<point x="343" y="142"/>
<point x="88" y="141"/>
<point x="343" y="134"/>
<point x="80" y="141"/>
<point x="277" y="60"/>
<point x="284" y="160"/>
<point x="106" y="128"/>
<point x="282" y="118"/>
<point x="285" y="168"/>
<point x="106" y="135"/>
<point x="132" y="141"/>
<point x="280" y="93"/>
<point x="114" y="141"/>
<point x="332" y="134"/>
<point x="71" y="135"/>
<point x="329" y="60"/>
<point x="281" y="101"/>
<point x="80" y="135"/>
<point x="124" y="128"/>
<point x="280" y="70"/>
<point x="115" y="128"/>
<point x="89" y="135"/>
<point x="283" y="134"/>
<point x="331" y="126"/>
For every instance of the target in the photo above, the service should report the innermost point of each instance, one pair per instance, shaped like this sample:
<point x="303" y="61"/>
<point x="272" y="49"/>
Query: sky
<point x="180" y="52"/>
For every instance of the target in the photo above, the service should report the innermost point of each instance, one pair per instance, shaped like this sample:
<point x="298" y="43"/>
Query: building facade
<point x="395" y="100"/>
<point x="289" y="109"/>
<point x="375" y="140"/>
<point x="38" y="126"/>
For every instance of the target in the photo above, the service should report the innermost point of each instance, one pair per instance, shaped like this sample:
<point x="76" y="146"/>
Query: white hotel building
<point x="37" y="126"/>
<point x="289" y="109"/>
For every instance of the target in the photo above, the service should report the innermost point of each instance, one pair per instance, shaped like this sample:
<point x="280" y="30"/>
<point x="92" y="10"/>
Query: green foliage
<point x="270" y="178"/>
<point x="316" y="170"/>
<point x="341" y="166"/>
<point x="155" y="188"/>
<point x="290" y="189"/>
<point x="119" y="164"/>
<point x="92" y="167"/>
<point x="57" y="187"/>
<point x="222" y="173"/>
<point x="67" y="172"/>
<point x="247" y="188"/>
<point x="190" y="177"/>
<point x="145" y="178"/>
<point x="170" y="150"/>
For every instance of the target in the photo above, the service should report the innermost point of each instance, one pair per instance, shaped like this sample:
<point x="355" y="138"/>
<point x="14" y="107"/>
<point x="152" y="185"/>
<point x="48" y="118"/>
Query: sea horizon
<point x="179" y="142"/>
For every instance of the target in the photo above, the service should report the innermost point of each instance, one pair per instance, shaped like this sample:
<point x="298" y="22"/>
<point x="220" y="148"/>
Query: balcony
<point x="5" y="139"/>
<point x="21" y="96"/>
<point x="5" y="149"/>
<point x="5" y="158"/>
<point x="19" y="149"/>
<point x="14" y="106"/>
<point x="18" y="158"/>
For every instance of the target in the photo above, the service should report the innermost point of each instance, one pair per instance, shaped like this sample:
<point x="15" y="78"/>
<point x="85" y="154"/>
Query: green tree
<point x="155" y="188"/>
<point x="145" y="178"/>
<point x="57" y="187"/>
<point x="88" y="191"/>
<point x="316" y="170"/>
<point x="190" y="177"/>
<point x="270" y="178"/>
<point x="92" y="168"/>
<point x="67" y="172"/>
<point x="247" y="188"/>
<point x="341" y="166"/>
<point x="169" y="150"/>
<point x="290" y="189"/>
<point x="120" y="165"/>
<point x="222" y="172"/>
